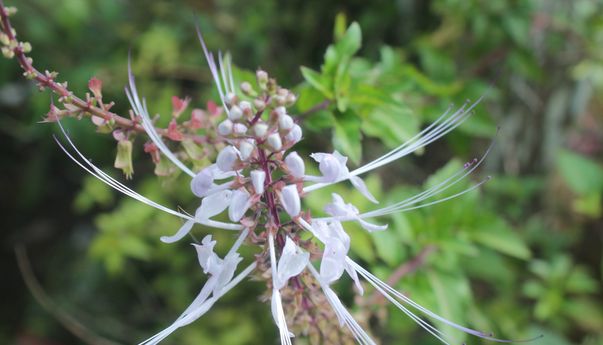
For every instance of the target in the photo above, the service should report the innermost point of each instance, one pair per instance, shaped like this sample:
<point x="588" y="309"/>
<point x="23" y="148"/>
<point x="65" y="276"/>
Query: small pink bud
<point x="179" y="105"/>
<point x="151" y="149"/>
<point x="213" y="108"/>
<point x="173" y="132"/>
<point x="197" y="117"/>
<point x="95" y="85"/>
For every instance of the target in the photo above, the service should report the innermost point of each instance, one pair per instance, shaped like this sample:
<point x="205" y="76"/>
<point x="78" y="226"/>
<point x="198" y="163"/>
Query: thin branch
<point x="69" y="322"/>
<point x="318" y="107"/>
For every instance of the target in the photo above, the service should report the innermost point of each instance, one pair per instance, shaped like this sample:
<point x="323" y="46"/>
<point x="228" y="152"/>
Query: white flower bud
<point x="239" y="204"/>
<point x="246" y="149"/>
<point x="330" y="168"/>
<point x="260" y="129"/>
<point x="246" y="88"/>
<point x="290" y="200"/>
<point x="285" y="122"/>
<point x="202" y="182"/>
<point x="239" y="128"/>
<point x="225" y="127"/>
<point x="235" y="113"/>
<point x="227" y="158"/>
<point x="280" y="111"/>
<point x="259" y="104"/>
<point x="230" y="98"/>
<point x="295" y="134"/>
<point x="258" y="177"/>
<point x="262" y="77"/>
<point x="274" y="140"/>
<point x="295" y="165"/>
<point x="290" y="99"/>
<point x="246" y="108"/>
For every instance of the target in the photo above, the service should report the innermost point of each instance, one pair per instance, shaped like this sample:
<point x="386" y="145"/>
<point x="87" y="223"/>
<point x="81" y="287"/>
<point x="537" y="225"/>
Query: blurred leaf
<point x="347" y="138"/>
<point x="581" y="174"/>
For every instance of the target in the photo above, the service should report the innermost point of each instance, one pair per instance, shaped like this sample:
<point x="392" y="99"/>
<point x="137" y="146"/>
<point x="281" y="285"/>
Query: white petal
<point x="228" y="268"/>
<point x="291" y="263"/>
<point x="239" y="204"/>
<point x="205" y="253"/>
<point x="329" y="167"/>
<point x="359" y="184"/>
<point x="258" y="178"/>
<point x="333" y="261"/>
<point x="290" y="200"/>
<point x="285" y="122"/>
<point x="213" y="204"/>
<point x="295" y="165"/>
<point x="183" y="231"/>
<point x="352" y="273"/>
<point x="246" y="148"/>
<point x="202" y="182"/>
<point x="227" y="158"/>
<point x="370" y="227"/>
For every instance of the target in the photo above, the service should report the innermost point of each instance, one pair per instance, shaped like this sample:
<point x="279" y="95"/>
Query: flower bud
<point x="95" y="85"/>
<point x="260" y="129"/>
<point x="258" y="177"/>
<point x="290" y="200"/>
<point x="239" y="128"/>
<point x="239" y="204"/>
<point x="235" y="113"/>
<point x="259" y="104"/>
<point x="123" y="160"/>
<point x="274" y="141"/>
<point x="247" y="88"/>
<point x="246" y="149"/>
<point x="227" y="158"/>
<point x="262" y="78"/>
<point x="285" y="122"/>
<point x="230" y="97"/>
<point x="246" y="108"/>
<point x="225" y="127"/>
<point x="295" y="134"/>
<point x="290" y="99"/>
<point x="280" y="111"/>
<point x="202" y="182"/>
<point x="295" y="165"/>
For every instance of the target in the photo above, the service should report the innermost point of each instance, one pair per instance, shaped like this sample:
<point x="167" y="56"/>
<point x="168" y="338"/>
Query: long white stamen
<point x="282" y="322"/>
<point x="101" y="175"/>
<point x="200" y="310"/>
<point x="430" y="134"/>
<point x="147" y="123"/>
<point x="359" y="334"/>
<point x="212" y="67"/>
<point x="383" y="286"/>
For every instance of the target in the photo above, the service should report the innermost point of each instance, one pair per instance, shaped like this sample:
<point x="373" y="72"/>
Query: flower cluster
<point x="260" y="182"/>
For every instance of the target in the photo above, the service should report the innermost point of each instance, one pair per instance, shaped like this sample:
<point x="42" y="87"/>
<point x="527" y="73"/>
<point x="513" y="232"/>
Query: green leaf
<point x="347" y="137"/>
<point x="499" y="237"/>
<point x="393" y="125"/>
<point x="350" y="43"/>
<point x="582" y="175"/>
<point x="317" y="81"/>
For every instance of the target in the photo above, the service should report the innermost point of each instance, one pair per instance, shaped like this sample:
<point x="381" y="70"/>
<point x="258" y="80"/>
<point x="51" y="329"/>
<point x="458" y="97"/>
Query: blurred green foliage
<point x="520" y="258"/>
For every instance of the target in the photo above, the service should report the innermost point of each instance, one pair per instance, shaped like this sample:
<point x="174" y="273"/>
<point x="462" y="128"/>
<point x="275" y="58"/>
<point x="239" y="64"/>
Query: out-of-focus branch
<point x="14" y="48"/>
<point x="69" y="322"/>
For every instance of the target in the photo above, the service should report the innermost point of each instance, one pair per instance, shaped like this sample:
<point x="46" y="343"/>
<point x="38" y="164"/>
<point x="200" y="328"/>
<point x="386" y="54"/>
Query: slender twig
<point x="46" y="80"/>
<point x="403" y="270"/>
<point x="318" y="107"/>
<point x="69" y="322"/>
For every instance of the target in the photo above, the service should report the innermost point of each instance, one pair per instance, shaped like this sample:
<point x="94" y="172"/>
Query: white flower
<point x="290" y="200"/>
<point x="338" y="208"/>
<point x="202" y="182"/>
<point x="295" y="165"/>
<point x="241" y="201"/>
<point x="214" y="204"/>
<point x="258" y="177"/>
<point x="291" y="263"/>
<point x="227" y="158"/>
